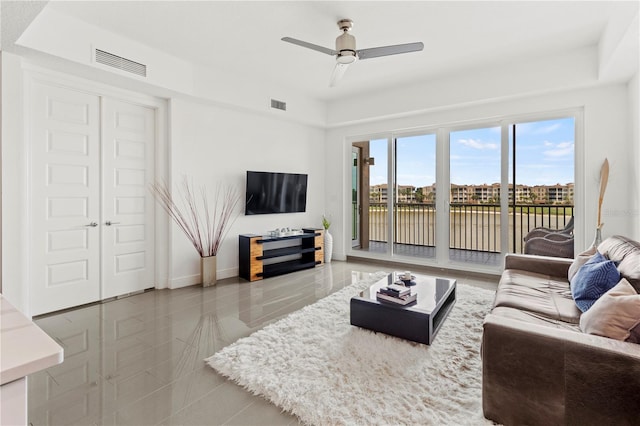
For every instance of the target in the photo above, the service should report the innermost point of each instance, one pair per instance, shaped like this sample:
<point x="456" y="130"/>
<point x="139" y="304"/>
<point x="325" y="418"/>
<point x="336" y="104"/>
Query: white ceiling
<point x="243" y="38"/>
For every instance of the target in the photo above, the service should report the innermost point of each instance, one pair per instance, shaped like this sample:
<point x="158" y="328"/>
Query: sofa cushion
<point x="580" y="260"/>
<point x="538" y="293"/>
<point x="592" y="280"/>
<point x="626" y="254"/>
<point x="614" y="314"/>
<point x="533" y="318"/>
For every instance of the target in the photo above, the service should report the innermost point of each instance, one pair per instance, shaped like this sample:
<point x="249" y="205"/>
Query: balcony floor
<point x="456" y="255"/>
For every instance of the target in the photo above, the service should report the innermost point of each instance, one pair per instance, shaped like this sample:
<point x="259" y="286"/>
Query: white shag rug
<point x="319" y="367"/>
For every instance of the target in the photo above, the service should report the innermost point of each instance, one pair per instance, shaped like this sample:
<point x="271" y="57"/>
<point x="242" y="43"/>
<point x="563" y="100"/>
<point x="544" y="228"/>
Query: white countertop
<point x="24" y="347"/>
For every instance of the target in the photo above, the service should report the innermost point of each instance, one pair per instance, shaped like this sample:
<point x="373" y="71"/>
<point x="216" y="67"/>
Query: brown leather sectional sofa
<point x="538" y="367"/>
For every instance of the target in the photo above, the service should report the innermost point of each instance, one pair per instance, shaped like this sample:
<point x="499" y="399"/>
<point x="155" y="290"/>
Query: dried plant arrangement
<point x="205" y="224"/>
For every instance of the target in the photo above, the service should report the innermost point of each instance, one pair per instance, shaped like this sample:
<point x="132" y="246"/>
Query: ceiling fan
<point x="346" y="52"/>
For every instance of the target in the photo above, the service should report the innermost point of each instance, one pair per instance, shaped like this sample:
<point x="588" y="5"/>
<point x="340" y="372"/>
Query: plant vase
<point x="328" y="246"/>
<point x="208" y="271"/>
<point x="598" y="238"/>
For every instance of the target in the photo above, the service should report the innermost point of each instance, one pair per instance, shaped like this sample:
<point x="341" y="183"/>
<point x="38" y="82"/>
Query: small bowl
<point x="408" y="282"/>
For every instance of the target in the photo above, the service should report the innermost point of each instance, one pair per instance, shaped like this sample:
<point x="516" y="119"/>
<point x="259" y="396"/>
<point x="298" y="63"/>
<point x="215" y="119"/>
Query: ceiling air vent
<point x="278" y="105"/>
<point x="121" y="63"/>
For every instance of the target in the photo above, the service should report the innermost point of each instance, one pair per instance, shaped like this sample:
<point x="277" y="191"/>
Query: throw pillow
<point x="615" y="314"/>
<point x="634" y="334"/>
<point x="592" y="280"/>
<point x="580" y="260"/>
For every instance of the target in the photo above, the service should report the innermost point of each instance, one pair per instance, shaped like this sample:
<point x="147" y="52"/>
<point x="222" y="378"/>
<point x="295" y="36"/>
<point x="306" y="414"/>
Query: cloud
<point x="478" y="144"/>
<point x="547" y="129"/>
<point x="560" y="149"/>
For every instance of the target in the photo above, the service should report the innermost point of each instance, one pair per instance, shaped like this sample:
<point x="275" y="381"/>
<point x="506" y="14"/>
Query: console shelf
<point x="281" y="268"/>
<point x="285" y="251"/>
<point x="283" y="255"/>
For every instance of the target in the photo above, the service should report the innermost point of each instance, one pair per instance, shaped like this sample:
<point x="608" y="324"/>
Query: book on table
<point x="396" y="290"/>
<point x="397" y="300"/>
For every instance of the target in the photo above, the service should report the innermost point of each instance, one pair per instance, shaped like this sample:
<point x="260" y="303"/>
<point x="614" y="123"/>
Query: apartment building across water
<point x="478" y="194"/>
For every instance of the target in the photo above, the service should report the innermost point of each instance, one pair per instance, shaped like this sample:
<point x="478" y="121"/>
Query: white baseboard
<point x="185" y="281"/>
<point x="195" y="279"/>
<point x="339" y="256"/>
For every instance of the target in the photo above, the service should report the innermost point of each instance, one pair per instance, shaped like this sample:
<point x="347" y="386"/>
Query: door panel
<point x="91" y="214"/>
<point x="128" y="138"/>
<point x="65" y="187"/>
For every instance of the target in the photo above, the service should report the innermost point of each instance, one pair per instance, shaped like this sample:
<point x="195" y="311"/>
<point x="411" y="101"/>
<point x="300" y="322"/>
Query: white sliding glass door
<point x="468" y="194"/>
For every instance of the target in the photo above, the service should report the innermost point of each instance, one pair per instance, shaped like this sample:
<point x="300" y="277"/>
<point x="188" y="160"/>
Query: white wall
<point x="14" y="184"/>
<point x="219" y="144"/>
<point x="634" y="155"/>
<point x="606" y="131"/>
<point x="474" y="86"/>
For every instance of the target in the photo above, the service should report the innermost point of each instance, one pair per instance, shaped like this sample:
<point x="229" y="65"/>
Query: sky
<point x="544" y="156"/>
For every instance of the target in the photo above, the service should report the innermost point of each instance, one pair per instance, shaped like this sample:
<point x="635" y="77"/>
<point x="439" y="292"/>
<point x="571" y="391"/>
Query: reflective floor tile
<point x="140" y="360"/>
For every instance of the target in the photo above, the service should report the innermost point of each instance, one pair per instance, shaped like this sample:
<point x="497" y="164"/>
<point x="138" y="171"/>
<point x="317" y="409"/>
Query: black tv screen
<point x="269" y="192"/>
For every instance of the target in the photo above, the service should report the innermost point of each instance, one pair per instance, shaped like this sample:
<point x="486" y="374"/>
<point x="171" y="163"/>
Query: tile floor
<point x="139" y="360"/>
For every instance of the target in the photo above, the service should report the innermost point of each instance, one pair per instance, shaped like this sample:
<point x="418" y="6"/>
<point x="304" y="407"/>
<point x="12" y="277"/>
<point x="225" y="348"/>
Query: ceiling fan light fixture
<point x="346" y="57"/>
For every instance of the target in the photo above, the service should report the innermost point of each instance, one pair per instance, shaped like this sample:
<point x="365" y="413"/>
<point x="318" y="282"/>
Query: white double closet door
<point x="92" y="214"/>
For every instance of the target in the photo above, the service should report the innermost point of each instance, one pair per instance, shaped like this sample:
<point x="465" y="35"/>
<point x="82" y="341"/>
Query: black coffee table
<point x="418" y="322"/>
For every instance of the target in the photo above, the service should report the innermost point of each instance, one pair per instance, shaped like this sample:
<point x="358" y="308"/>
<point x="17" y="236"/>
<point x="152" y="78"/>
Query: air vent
<point x="278" y="105"/>
<point x="121" y="63"/>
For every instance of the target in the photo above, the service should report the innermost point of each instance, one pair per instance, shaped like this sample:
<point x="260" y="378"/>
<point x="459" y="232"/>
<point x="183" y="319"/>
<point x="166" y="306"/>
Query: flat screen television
<point x="269" y="192"/>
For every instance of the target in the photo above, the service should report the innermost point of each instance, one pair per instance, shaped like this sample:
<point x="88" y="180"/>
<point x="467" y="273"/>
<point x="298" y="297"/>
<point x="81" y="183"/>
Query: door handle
<point x="92" y="224"/>
<point x="109" y="223"/>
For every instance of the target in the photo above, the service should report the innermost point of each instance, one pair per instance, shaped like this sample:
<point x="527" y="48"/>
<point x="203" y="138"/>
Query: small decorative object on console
<point x="285" y="232"/>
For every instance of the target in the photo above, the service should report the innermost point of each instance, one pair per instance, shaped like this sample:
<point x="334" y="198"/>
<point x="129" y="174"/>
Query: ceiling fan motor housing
<point x="346" y="48"/>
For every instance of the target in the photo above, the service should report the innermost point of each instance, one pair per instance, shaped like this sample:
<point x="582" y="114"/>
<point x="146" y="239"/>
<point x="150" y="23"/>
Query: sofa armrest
<point x="553" y="266"/>
<point x="565" y="377"/>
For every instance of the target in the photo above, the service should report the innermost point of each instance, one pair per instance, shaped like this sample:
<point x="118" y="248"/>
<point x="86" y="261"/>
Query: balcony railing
<point x="472" y="226"/>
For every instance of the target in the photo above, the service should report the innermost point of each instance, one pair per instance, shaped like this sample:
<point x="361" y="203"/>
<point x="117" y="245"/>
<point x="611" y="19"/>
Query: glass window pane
<point x="414" y="203"/>
<point x="543" y="176"/>
<point x="474" y="203"/>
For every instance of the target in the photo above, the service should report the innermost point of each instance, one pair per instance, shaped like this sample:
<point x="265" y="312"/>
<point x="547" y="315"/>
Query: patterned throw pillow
<point x="580" y="260"/>
<point x="615" y="315"/>
<point x="592" y="280"/>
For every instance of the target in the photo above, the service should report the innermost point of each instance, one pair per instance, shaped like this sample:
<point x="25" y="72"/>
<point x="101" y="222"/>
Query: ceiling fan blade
<point x="376" y="52"/>
<point x="310" y="46"/>
<point x="337" y="73"/>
